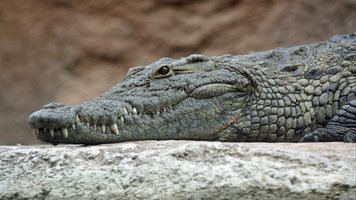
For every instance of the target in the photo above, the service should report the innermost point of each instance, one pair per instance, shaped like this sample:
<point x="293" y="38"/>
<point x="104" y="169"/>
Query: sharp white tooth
<point x="94" y="126"/>
<point x="88" y="124"/>
<point x="157" y="113"/>
<point x="51" y="131"/>
<point x="102" y="128"/>
<point x="114" y="128"/>
<point x="140" y="114"/>
<point x="37" y="130"/>
<point x="77" y="118"/>
<point x="125" y="112"/>
<point x="134" y="111"/>
<point x="73" y="126"/>
<point x="65" y="132"/>
<point x="44" y="129"/>
<point x="122" y="118"/>
<point x="164" y="109"/>
<point x="33" y="131"/>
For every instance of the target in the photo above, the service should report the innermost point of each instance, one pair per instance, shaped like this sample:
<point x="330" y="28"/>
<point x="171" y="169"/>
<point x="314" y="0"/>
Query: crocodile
<point x="299" y="94"/>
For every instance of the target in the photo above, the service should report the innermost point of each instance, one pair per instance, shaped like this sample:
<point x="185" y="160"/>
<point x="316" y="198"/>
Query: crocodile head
<point x="189" y="98"/>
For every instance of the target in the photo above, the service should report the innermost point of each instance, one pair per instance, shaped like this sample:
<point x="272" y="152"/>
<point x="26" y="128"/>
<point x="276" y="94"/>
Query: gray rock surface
<point x="179" y="170"/>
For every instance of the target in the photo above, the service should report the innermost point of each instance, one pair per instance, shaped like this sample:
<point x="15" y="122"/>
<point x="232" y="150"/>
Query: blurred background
<point x="72" y="51"/>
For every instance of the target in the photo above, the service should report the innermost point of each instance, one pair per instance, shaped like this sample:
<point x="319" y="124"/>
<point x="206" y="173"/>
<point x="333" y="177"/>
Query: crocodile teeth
<point x="102" y="128"/>
<point x="114" y="128"/>
<point x="125" y="112"/>
<point x="33" y="131"/>
<point x="170" y="107"/>
<point x="122" y="118"/>
<point x="65" y="132"/>
<point x="44" y="129"/>
<point x="37" y="130"/>
<point x="134" y="111"/>
<point x="73" y="126"/>
<point x="51" y="131"/>
<point x="94" y="126"/>
<point x="140" y="114"/>
<point x="88" y="124"/>
<point x="164" y="109"/>
<point x="77" y="118"/>
<point x="157" y="113"/>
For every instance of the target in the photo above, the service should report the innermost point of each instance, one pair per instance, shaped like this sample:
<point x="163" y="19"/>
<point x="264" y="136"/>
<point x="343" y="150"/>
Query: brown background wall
<point x="72" y="51"/>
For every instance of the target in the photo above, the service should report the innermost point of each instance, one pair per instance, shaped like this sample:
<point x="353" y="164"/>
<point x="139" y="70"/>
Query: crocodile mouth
<point x="49" y="125"/>
<point x="77" y="121"/>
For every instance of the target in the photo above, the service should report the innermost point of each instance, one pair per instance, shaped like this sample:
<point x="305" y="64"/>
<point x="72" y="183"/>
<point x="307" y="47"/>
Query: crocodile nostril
<point x="53" y="105"/>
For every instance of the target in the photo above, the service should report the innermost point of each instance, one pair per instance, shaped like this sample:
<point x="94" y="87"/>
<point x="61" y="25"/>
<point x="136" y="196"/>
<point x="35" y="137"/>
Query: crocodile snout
<point x="53" y="116"/>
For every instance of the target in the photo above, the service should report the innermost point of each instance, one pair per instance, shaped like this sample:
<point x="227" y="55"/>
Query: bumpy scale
<point x="303" y="93"/>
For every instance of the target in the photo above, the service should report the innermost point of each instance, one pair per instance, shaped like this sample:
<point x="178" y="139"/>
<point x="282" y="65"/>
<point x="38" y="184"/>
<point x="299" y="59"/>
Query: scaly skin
<point x="303" y="93"/>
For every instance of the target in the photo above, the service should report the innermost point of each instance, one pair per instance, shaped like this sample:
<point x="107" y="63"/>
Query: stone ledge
<point x="179" y="170"/>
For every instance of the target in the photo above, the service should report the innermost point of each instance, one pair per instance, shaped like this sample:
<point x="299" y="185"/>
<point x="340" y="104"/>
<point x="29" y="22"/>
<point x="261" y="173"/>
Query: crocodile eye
<point x="164" y="70"/>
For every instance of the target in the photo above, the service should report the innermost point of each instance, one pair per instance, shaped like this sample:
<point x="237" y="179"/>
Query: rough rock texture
<point x="71" y="51"/>
<point x="179" y="170"/>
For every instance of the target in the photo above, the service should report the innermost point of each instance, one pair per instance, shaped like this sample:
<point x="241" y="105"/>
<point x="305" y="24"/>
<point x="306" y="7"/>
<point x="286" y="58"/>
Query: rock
<point x="179" y="170"/>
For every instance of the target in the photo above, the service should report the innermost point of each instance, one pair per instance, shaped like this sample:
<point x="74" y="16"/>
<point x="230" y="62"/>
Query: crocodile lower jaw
<point x="113" y="127"/>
